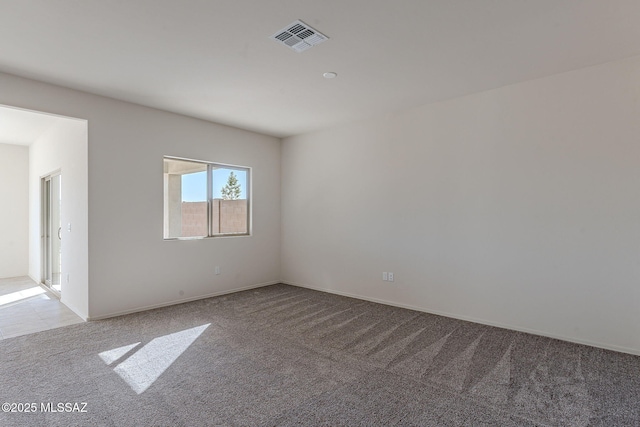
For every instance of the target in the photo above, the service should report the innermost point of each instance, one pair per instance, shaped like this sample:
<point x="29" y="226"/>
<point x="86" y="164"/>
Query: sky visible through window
<point x="194" y="185"/>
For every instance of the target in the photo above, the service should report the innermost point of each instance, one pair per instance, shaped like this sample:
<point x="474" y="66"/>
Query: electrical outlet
<point x="390" y="276"/>
<point x="217" y="270"/>
<point x="384" y="276"/>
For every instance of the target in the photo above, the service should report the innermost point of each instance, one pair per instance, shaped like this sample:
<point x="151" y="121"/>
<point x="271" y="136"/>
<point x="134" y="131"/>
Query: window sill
<point x="206" y="237"/>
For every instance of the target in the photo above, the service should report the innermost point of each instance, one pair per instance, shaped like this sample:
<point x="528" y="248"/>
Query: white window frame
<point x="211" y="166"/>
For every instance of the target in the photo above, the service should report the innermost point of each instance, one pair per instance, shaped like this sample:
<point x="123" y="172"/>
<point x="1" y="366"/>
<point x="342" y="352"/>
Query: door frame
<point x="47" y="232"/>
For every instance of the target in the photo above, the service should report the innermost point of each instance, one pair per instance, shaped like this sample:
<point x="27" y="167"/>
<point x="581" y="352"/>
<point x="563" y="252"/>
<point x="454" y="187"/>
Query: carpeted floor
<point x="286" y="356"/>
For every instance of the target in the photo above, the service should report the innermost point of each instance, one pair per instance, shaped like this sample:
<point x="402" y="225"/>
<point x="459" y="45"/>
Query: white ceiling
<point x="214" y="59"/>
<point x="23" y="127"/>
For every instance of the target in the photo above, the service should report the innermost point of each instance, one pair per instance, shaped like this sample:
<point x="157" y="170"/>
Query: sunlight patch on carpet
<point x="111" y="356"/>
<point x="146" y="365"/>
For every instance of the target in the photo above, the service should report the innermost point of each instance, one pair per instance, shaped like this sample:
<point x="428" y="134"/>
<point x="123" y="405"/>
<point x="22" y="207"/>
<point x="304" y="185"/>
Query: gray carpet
<point x="286" y="356"/>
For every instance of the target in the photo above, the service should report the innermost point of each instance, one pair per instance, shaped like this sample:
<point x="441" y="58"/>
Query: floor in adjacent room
<point x="26" y="307"/>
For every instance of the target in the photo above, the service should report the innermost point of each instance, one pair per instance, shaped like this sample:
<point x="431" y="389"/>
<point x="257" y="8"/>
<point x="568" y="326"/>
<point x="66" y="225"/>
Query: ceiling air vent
<point x="299" y="36"/>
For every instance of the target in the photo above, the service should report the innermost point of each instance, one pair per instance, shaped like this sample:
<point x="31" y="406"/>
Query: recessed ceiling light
<point x="330" y="75"/>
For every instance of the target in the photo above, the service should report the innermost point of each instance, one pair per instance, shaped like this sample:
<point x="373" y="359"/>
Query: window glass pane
<point x="185" y="199"/>
<point x="229" y="206"/>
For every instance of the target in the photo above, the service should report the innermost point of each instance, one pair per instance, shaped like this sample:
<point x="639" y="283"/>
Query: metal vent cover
<point x="299" y="36"/>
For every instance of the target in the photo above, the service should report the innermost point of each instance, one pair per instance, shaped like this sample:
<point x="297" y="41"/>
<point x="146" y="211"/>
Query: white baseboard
<point x="620" y="349"/>
<point x="180" y="301"/>
<point x="72" y="308"/>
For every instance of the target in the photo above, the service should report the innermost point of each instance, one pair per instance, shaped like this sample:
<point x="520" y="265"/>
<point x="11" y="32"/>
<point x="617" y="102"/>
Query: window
<point x="203" y="199"/>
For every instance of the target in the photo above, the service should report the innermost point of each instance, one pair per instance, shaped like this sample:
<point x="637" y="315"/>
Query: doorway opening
<point x="51" y="188"/>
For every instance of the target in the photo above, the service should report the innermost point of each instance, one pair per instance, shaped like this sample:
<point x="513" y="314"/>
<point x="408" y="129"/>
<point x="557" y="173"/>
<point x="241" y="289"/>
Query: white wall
<point x="63" y="148"/>
<point x="14" y="210"/>
<point x="517" y="207"/>
<point x="130" y="266"/>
